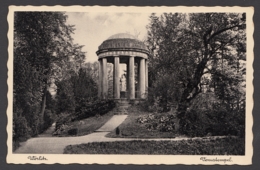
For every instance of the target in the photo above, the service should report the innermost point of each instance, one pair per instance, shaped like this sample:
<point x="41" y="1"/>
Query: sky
<point x="94" y="28"/>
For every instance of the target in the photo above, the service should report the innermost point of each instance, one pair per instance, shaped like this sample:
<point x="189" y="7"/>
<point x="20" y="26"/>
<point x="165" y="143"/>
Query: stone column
<point x="142" y="78"/>
<point x="138" y="78"/>
<point x="127" y="79"/>
<point x="104" y="78"/>
<point x="116" y="78"/>
<point x="100" y="79"/>
<point x="132" y="77"/>
<point x="146" y="76"/>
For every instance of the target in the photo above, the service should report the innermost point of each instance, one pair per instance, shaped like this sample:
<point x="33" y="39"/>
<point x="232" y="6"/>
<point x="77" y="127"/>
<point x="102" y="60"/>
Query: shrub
<point x="100" y="107"/>
<point x="163" y="92"/>
<point x="62" y="119"/>
<point x="207" y="115"/>
<point x="117" y="131"/>
<point x="86" y="110"/>
<point x="73" y="131"/>
<point x="217" y="121"/>
<point x="21" y="130"/>
<point x="48" y="118"/>
<point x="163" y="123"/>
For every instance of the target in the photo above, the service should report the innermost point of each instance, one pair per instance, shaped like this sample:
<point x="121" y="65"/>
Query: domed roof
<point x="121" y="36"/>
<point x="122" y="42"/>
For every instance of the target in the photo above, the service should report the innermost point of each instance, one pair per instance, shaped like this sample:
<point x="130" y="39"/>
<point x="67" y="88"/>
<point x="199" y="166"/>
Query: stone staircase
<point x="122" y="107"/>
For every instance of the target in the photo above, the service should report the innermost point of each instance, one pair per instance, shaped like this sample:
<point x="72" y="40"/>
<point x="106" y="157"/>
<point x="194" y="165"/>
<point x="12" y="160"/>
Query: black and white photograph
<point x="130" y="85"/>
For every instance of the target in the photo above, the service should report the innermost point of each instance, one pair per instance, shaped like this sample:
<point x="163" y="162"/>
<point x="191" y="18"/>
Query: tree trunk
<point x="190" y="92"/>
<point x="43" y="106"/>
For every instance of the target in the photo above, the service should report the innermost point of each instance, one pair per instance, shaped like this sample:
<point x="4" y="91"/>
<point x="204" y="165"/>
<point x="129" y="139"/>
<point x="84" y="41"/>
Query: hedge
<point x="87" y="110"/>
<point x="100" y="107"/>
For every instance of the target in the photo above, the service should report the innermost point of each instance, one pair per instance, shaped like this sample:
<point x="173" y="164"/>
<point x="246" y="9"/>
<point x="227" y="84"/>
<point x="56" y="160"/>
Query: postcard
<point x="130" y="85"/>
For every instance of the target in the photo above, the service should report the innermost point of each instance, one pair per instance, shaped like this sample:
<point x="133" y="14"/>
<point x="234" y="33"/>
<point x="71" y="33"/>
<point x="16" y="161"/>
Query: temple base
<point x="122" y="105"/>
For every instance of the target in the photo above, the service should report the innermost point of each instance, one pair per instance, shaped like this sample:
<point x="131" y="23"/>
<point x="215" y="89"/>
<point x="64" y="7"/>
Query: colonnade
<point x="142" y="72"/>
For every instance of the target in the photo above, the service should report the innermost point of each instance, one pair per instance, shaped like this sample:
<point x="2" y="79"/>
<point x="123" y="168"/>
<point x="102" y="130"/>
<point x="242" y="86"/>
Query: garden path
<point x="114" y="122"/>
<point x="55" y="145"/>
<point x="49" y="131"/>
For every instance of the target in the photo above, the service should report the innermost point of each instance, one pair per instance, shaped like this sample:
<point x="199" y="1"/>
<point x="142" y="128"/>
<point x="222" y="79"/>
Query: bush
<point x="207" y="115"/>
<point x="117" y="131"/>
<point x="73" y="131"/>
<point x="100" y="107"/>
<point x="225" y="146"/>
<point x="48" y="118"/>
<point x="21" y="130"/>
<point x="163" y="92"/>
<point x="217" y="121"/>
<point x="62" y="120"/>
<point x="163" y="123"/>
<point x="87" y="110"/>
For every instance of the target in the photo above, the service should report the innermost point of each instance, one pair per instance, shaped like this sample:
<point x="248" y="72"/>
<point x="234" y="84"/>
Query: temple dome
<point x="122" y="42"/>
<point x="121" y="36"/>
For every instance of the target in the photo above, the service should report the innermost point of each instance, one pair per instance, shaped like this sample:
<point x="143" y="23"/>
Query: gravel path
<point x="114" y="122"/>
<point x="55" y="145"/>
<point x="49" y="131"/>
<point x="45" y="143"/>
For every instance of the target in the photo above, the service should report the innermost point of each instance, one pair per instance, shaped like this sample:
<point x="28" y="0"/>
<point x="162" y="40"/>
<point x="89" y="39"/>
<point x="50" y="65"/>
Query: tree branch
<point x="222" y="30"/>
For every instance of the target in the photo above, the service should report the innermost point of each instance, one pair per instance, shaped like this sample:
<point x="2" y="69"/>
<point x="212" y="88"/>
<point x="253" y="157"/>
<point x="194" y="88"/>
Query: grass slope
<point x="225" y="146"/>
<point x="130" y="128"/>
<point x="89" y="125"/>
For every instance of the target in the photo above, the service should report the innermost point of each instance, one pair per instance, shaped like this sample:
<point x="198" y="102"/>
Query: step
<point x="123" y="103"/>
<point x="120" y="113"/>
<point x="122" y="106"/>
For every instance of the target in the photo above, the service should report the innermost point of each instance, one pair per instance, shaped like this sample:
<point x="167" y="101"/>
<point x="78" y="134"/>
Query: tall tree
<point x="42" y="48"/>
<point x="190" y="48"/>
<point x="92" y="70"/>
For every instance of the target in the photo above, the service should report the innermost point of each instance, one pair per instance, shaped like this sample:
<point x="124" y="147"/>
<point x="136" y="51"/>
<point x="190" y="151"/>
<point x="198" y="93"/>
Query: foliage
<point x="51" y="103"/>
<point x="117" y="131"/>
<point x="100" y="107"/>
<point x="84" y="87"/>
<point x="196" y="53"/>
<point x="163" y="123"/>
<point x="152" y="127"/>
<point x="84" y="111"/>
<point x="73" y="131"/>
<point x="43" y="55"/>
<point x="21" y="129"/>
<point x="72" y="95"/>
<point x="209" y="146"/>
<point x="84" y="126"/>
<point x="27" y="93"/>
<point x="49" y="119"/>
<point x="75" y="91"/>
<point x="62" y="123"/>
<point x="65" y="97"/>
<point x="164" y="94"/>
<point x="217" y="121"/>
<point x="92" y="70"/>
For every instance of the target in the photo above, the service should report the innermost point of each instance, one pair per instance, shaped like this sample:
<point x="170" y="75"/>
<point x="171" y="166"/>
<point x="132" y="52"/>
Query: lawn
<point x="130" y="128"/>
<point x="88" y="125"/>
<point x="224" y="146"/>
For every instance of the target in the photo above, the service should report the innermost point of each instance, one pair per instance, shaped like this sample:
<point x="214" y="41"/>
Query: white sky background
<point x="94" y="28"/>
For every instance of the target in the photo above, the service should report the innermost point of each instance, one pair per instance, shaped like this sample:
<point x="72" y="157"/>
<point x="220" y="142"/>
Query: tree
<point x="92" y="70"/>
<point x="85" y="88"/>
<point x="190" y="47"/>
<point x="165" y="62"/>
<point x="65" y="97"/>
<point x="75" y="91"/>
<point x="208" y="35"/>
<point x="43" y="51"/>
